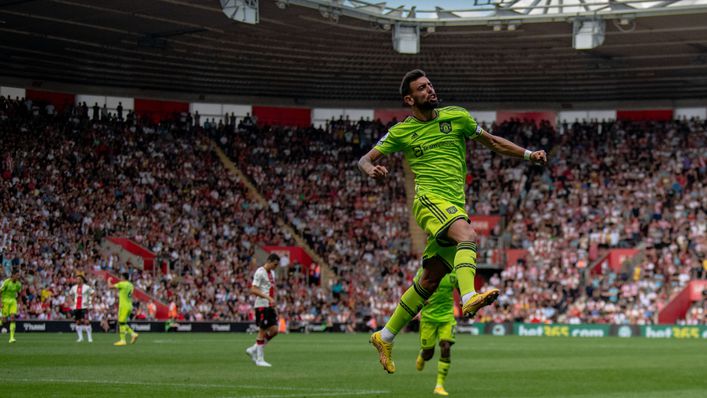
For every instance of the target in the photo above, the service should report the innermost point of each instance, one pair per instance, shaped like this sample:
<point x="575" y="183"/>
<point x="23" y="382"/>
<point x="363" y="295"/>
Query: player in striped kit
<point x="265" y="316"/>
<point x="82" y="295"/>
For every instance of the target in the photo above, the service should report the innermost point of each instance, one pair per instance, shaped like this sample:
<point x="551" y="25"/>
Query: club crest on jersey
<point x="452" y="210"/>
<point x="445" y="127"/>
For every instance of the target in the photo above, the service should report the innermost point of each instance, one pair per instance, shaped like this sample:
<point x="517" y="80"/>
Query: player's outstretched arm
<point x="365" y="164"/>
<point x="504" y="147"/>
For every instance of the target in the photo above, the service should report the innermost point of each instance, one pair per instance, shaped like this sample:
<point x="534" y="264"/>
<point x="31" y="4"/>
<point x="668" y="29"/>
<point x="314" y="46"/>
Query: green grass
<point x="338" y="365"/>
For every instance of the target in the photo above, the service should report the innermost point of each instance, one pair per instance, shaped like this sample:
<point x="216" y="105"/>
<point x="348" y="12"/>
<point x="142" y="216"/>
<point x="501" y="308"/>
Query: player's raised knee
<point x="461" y="231"/>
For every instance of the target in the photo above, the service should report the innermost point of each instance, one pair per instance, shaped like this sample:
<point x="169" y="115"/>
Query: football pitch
<point x="341" y="365"/>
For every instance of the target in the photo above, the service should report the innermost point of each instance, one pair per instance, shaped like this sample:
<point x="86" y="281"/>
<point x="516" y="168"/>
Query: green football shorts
<point x="431" y="332"/>
<point x="434" y="215"/>
<point x="9" y="307"/>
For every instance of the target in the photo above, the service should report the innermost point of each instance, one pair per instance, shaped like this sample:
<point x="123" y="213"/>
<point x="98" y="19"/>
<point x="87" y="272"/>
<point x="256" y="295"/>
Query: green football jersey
<point x="440" y="306"/>
<point x="125" y="293"/>
<point x="435" y="150"/>
<point x="10" y="290"/>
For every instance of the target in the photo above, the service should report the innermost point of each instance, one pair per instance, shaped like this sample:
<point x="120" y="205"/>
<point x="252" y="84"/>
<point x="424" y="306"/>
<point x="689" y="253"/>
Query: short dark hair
<point x="126" y="276"/>
<point x="273" y="258"/>
<point x="409" y="78"/>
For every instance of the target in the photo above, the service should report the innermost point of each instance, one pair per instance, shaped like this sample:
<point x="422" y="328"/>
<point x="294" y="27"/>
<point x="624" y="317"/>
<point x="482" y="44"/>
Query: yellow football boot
<point x="384" y="352"/>
<point x="478" y="301"/>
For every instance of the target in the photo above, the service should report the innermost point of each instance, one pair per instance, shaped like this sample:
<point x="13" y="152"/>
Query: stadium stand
<point x="161" y="185"/>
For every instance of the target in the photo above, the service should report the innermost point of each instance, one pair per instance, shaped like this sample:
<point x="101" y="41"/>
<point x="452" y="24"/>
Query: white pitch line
<point x="126" y="383"/>
<point x="318" y="394"/>
<point x="304" y="389"/>
<point x="322" y="391"/>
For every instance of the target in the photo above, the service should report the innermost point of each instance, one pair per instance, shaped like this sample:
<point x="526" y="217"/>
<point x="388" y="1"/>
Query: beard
<point x="429" y="105"/>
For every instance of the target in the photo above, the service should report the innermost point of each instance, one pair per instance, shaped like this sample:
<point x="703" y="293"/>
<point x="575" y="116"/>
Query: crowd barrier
<point x="584" y="330"/>
<point x="477" y="329"/>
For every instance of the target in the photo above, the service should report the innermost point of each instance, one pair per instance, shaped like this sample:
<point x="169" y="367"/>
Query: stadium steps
<point x="326" y="272"/>
<point x="109" y="248"/>
<point x="139" y="294"/>
<point x="680" y="303"/>
<point x="260" y="254"/>
<point x="626" y="268"/>
<point x="586" y="273"/>
<point x="417" y="235"/>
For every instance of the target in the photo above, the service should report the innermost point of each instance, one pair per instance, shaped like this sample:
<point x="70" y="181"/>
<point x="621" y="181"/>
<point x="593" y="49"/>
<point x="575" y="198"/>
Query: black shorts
<point x="265" y="317"/>
<point x="79" y="315"/>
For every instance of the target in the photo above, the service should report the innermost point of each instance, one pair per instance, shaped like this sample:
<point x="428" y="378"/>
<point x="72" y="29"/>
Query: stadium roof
<point x="297" y="52"/>
<point x="465" y="12"/>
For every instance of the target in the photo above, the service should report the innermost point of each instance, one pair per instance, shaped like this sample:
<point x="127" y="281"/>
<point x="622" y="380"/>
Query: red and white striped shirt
<point x="265" y="282"/>
<point x="82" y="294"/>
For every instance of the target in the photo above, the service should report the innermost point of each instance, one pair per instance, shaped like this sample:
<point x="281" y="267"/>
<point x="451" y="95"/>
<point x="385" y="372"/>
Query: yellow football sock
<point x="123" y="331"/>
<point x="410" y="304"/>
<point x="442" y="370"/>
<point x="465" y="266"/>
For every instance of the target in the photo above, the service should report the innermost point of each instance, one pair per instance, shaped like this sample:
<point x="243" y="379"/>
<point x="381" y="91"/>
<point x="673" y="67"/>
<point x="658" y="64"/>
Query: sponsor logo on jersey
<point x="452" y="210"/>
<point x="418" y="151"/>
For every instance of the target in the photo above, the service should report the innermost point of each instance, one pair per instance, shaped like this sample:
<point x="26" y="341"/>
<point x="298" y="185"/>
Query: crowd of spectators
<point x="697" y="313"/>
<point x="636" y="184"/>
<point x="70" y="178"/>
<point x="309" y="178"/>
<point x="565" y="215"/>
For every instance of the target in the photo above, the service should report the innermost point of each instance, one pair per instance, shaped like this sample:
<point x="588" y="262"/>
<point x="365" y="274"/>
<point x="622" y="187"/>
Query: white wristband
<point x="527" y="154"/>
